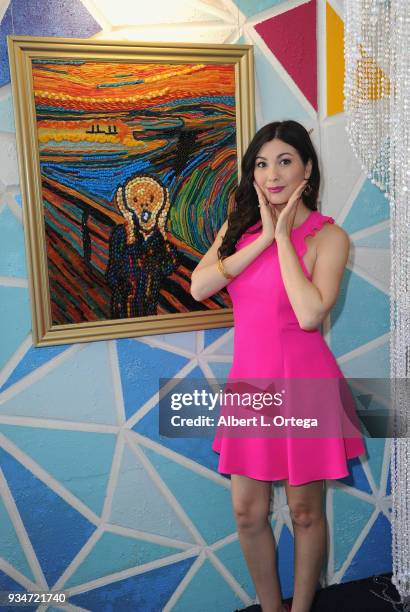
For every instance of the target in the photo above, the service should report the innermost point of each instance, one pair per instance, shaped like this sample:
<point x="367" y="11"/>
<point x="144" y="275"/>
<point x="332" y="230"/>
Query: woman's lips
<point x="275" y="189"/>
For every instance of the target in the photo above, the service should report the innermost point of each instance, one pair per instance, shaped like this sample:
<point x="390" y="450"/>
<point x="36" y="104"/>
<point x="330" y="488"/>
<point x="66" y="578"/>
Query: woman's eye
<point x="258" y="165"/>
<point x="285" y="160"/>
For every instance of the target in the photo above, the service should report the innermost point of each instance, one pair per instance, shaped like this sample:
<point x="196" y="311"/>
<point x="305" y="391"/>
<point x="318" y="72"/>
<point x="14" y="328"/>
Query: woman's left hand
<point x="286" y="217"/>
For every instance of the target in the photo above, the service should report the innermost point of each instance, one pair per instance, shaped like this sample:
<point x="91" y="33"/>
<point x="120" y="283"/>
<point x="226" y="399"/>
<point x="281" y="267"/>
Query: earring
<point x="308" y="189"/>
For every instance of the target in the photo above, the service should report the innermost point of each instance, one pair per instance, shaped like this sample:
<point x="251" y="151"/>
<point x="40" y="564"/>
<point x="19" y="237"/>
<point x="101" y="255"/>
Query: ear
<point x="308" y="169"/>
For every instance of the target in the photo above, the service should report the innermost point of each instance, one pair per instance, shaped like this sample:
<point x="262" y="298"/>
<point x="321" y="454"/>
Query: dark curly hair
<point x="246" y="213"/>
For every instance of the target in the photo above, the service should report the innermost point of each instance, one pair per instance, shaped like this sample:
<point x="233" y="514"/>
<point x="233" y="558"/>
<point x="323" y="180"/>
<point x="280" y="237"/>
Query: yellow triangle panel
<point x="335" y="64"/>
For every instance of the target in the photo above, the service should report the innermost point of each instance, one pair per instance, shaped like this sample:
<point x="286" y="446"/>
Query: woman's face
<point x="278" y="164"/>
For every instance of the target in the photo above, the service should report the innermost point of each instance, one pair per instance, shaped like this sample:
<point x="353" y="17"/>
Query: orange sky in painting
<point x="162" y="82"/>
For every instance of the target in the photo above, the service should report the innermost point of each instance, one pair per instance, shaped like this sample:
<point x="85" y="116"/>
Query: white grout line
<point x="228" y="577"/>
<point x="364" y="348"/>
<point x="190" y="464"/>
<point x="168" y="495"/>
<point x="370" y="230"/>
<point x="357" y="544"/>
<point x="13" y="206"/>
<point x="96" y="14"/>
<point x="20" y="578"/>
<point x="184" y="583"/>
<point x="170" y="348"/>
<point x="274" y="11"/>
<point x="153" y="538"/>
<point x="113" y="477"/>
<point x="21" y="532"/>
<point x="154" y="399"/>
<point x="216" y="344"/>
<point x="116" y="380"/>
<point x="370" y="279"/>
<point x="44" y="423"/>
<point x="321" y="63"/>
<point x="48" y="480"/>
<point x="342" y="215"/>
<point x="281" y="72"/>
<point x="78" y="559"/>
<point x="337" y="6"/>
<point x="15" y="359"/>
<point x="39" y="373"/>
<point x="9" y="281"/>
<point x="128" y="573"/>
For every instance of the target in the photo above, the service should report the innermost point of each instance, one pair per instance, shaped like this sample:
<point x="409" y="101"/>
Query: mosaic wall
<point x="92" y="500"/>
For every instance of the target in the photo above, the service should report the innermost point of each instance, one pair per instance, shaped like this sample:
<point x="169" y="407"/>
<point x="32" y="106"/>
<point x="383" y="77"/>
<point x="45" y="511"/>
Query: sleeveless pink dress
<point x="268" y="342"/>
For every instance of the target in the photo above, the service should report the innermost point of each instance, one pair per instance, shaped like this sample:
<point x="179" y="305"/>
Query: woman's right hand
<point x="268" y="215"/>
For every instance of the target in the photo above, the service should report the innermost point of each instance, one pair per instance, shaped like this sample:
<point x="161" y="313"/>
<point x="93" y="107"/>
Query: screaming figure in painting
<point x="140" y="254"/>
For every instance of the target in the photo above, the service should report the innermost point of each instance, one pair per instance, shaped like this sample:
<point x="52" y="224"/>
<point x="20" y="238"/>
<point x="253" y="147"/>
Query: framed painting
<point x="129" y="155"/>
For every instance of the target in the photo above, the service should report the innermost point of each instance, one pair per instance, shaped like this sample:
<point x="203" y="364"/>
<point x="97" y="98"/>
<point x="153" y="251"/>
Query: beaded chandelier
<point x="377" y="106"/>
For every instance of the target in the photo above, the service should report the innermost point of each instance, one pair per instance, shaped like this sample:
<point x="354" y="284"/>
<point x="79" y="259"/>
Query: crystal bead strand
<point x="377" y="101"/>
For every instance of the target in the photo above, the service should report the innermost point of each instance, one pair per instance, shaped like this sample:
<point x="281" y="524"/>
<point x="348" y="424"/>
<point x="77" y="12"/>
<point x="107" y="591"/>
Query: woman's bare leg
<point x="309" y="527"/>
<point x="250" y="500"/>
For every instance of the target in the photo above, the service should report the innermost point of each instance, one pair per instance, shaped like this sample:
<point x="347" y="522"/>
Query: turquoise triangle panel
<point x="371" y="364"/>
<point x="115" y="553"/>
<point x="256" y="6"/>
<point x="197" y="449"/>
<point x="7" y="115"/>
<point x="33" y="359"/>
<point x="350" y="515"/>
<point x="80" y="389"/>
<point x="370" y="207"/>
<point x="220" y="369"/>
<point x="232" y="557"/>
<point x="358" y="299"/>
<point x="56" y="530"/>
<point x="141" y="367"/>
<point x="10" y="546"/>
<point x="375" y="449"/>
<point x="15" y="320"/>
<point x="207" y="590"/>
<point x="80" y="461"/>
<point x="378" y="240"/>
<point x="375" y="552"/>
<point x="277" y="100"/>
<point x="285" y="562"/>
<point x="139" y="504"/>
<point x="214" y="520"/>
<point x="357" y="477"/>
<point x="12" y="251"/>
<point x="147" y="592"/>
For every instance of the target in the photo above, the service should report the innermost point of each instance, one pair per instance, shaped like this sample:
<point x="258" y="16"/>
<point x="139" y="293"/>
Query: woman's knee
<point x="304" y="515"/>
<point x="251" y="516"/>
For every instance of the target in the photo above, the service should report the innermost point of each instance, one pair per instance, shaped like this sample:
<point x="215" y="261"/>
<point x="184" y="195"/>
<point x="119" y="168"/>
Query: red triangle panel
<point x="291" y="36"/>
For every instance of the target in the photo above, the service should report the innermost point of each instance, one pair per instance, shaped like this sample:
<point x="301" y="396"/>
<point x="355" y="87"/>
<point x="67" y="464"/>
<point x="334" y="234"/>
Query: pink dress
<point x="268" y="342"/>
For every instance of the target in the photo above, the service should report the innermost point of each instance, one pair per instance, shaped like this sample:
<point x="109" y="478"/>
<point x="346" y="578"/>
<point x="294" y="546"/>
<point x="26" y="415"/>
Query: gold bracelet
<point x="223" y="271"/>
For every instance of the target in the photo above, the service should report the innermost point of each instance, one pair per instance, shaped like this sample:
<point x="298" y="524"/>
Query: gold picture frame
<point x="171" y="110"/>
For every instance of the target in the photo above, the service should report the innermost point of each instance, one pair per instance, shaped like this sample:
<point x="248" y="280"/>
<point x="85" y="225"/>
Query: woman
<point x="283" y="276"/>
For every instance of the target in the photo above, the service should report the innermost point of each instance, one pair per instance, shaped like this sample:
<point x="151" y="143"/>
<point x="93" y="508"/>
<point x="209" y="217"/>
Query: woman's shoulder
<point x="331" y="234"/>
